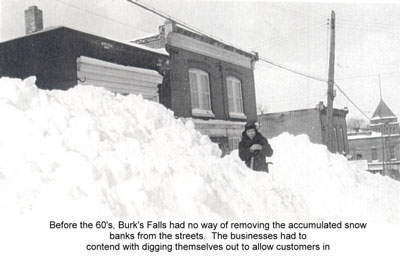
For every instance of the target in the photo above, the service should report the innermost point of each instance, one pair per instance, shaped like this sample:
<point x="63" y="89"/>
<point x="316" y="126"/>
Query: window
<point x="200" y="93"/>
<point x="374" y="154"/>
<point x="234" y="143"/>
<point x="391" y="153"/>
<point x="235" y="99"/>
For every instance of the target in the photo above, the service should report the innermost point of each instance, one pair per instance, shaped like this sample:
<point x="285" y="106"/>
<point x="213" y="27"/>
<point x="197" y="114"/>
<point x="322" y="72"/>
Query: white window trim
<point x="198" y="111"/>
<point x="202" y="112"/>
<point x="235" y="114"/>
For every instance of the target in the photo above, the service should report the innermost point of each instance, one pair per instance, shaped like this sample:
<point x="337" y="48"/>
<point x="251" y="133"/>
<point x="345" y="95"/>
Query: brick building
<point x="61" y="57"/>
<point x="194" y="75"/>
<point x="310" y="122"/>
<point x="207" y="80"/>
<point x="379" y="146"/>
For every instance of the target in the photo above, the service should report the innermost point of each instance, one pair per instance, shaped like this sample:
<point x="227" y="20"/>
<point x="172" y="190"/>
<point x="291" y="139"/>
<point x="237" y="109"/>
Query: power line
<point x="281" y="40"/>
<point x="166" y="16"/>
<point x="185" y="25"/>
<point x="365" y="76"/>
<point x="366" y="29"/>
<point x="292" y="70"/>
<point x="296" y="12"/>
<point x="101" y="16"/>
<point x="368" y="23"/>
<point x="348" y="98"/>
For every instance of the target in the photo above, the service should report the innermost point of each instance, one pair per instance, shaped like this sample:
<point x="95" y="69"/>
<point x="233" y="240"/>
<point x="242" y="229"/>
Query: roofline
<point x="35" y="33"/>
<point x="300" y="110"/>
<point x="130" y="44"/>
<point x="252" y="54"/>
<point x="384" y="117"/>
<point x="349" y="137"/>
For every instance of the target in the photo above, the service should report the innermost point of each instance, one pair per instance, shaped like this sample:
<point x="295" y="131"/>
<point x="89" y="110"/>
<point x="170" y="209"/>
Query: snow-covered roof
<point x="35" y="33"/>
<point x="161" y="51"/>
<point x="379" y="118"/>
<point x="150" y="35"/>
<point x="120" y="67"/>
<point x="369" y="135"/>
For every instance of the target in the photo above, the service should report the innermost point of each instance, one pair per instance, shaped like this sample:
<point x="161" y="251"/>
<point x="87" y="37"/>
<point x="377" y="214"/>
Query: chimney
<point x="33" y="20"/>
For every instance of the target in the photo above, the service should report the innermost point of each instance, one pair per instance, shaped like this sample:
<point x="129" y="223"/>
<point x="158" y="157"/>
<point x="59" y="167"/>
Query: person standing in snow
<point x="253" y="148"/>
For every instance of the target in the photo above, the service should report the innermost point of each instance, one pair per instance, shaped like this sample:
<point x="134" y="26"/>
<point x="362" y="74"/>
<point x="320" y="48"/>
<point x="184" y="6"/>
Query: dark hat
<point x="250" y="126"/>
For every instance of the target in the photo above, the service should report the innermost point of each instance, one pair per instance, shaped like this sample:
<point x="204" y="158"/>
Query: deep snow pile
<point x="85" y="152"/>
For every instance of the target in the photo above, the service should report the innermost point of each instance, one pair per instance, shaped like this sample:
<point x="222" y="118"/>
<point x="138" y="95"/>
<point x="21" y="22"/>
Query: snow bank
<point x="85" y="152"/>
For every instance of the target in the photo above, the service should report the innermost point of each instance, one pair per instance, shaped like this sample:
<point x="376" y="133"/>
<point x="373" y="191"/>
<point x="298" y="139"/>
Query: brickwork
<point x="33" y="20"/>
<point x="307" y="121"/>
<point x="180" y="63"/>
<point x="297" y="122"/>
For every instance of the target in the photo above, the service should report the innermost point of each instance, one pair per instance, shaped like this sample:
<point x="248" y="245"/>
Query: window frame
<point x="236" y="96"/>
<point x="200" y="110"/>
<point x="233" y="143"/>
<point x="374" y="151"/>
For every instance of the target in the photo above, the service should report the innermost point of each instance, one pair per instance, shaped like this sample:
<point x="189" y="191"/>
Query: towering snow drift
<point x="85" y="152"/>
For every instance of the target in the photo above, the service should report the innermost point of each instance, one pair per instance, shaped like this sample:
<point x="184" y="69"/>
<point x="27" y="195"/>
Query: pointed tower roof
<point x="382" y="111"/>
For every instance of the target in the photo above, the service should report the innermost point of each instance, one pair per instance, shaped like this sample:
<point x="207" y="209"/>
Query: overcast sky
<point x="292" y="34"/>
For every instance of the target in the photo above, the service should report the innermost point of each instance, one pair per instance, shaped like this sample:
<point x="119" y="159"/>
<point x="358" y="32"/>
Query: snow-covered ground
<point x="86" y="153"/>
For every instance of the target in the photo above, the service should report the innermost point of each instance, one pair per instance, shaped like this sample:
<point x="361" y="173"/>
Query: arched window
<point x="235" y="98"/>
<point x="200" y="92"/>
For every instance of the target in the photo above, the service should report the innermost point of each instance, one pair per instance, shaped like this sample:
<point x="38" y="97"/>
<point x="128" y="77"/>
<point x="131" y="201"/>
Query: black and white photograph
<point x="221" y="128"/>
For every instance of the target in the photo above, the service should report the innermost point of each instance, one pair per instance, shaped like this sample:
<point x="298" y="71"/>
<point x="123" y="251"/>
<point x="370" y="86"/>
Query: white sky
<point x="292" y="34"/>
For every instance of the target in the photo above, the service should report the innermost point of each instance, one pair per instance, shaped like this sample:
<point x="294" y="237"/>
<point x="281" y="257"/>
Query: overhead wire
<point x="367" y="29"/>
<point x="351" y="101"/>
<point x="341" y="20"/>
<point x="181" y="23"/>
<point x="366" y="76"/>
<point x="101" y="16"/>
<point x="285" y="9"/>
<point x="292" y="70"/>
<point x="159" y="13"/>
<point x="282" y="40"/>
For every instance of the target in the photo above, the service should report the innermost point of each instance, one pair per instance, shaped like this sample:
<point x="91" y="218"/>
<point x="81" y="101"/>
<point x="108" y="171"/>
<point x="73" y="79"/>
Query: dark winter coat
<point x="259" y="156"/>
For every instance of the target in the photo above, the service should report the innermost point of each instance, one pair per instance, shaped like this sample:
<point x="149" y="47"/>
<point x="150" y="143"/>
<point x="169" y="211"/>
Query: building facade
<point x="194" y="75"/>
<point x="208" y="81"/>
<point x="379" y="146"/>
<point x="61" y="58"/>
<point x="310" y="122"/>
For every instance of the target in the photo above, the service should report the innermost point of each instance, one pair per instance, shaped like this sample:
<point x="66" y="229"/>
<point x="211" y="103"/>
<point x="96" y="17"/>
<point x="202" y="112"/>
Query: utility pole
<point x="331" y="81"/>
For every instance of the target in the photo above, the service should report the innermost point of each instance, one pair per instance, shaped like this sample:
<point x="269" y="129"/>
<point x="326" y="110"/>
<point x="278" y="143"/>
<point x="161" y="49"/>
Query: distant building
<point x="310" y="122"/>
<point x="380" y="146"/>
<point x="209" y="81"/>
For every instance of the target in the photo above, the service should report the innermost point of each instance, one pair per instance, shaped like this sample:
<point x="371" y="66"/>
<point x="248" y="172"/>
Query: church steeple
<point x="382" y="111"/>
<point x="384" y="120"/>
